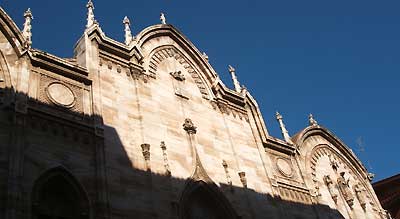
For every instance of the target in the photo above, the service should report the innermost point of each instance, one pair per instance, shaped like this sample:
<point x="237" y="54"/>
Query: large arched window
<point x="203" y="201"/>
<point x="57" y="195"/>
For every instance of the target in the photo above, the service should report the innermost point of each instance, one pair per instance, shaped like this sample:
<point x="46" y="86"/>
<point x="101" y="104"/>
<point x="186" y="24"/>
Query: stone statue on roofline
<point x="163" y="19"/>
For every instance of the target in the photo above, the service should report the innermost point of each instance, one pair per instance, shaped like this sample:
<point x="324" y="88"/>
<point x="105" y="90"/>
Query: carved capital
<point x="189" y="127"/>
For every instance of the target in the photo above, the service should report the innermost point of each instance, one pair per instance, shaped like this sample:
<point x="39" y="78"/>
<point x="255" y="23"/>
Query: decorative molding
<point x="48" y="98"/>
<point x="227" y="109"/>
<point x="171" y="52"/>
<point x="294" y="194"/>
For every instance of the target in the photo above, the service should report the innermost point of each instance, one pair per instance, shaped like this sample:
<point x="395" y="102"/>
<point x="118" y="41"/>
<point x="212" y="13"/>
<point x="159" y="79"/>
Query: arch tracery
<point x="331" y="171"/>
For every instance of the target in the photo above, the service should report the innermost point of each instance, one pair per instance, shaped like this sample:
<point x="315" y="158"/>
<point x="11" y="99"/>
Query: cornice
<point x="59" y="65"/>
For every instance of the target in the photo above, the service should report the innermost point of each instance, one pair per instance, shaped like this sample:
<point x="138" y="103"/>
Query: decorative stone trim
<point x="284" y="167"/>
<point x="225" y="108"/>
<point x="171" y="52"/>
<point x="294" y="194"/>
<point x="60" y="94"/>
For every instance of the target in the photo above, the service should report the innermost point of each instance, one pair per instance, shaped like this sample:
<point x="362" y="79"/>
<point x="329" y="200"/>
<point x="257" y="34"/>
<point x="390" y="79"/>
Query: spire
<point x="128" y="33"/>
<point x="27" y="31"/>
<point x="90" y="14"/>
<point x="234" y="78"/>
<point x="163" y="19"/>
<point x="285" y="132"/>
<point x="312" y="121"/>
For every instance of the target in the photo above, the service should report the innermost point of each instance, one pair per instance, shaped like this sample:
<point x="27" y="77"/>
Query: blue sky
<point x="339" y="60"/>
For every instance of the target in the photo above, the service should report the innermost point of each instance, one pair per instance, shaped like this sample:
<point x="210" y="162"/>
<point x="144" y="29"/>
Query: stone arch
<point x="57" y="194"/>
<point x="324" y="150"/>
<point x="163" y="52"/>
<point x="204" y="200"/>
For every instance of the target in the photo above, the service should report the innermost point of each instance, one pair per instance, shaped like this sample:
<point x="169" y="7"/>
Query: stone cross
<point x="128" y="33"/>
<point x="285" y="132"/>
<point x="234" y="79"/>
<point x="163" y="19"/>
<point x="27" y="31"/>
<point x="90" y="14"/>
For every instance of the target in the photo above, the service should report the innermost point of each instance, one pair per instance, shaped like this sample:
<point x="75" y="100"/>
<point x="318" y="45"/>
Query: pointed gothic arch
<point x="58" y="195"/>
<point x="204" y="200"/>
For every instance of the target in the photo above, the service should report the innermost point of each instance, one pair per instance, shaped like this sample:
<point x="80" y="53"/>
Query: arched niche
<point x="201" y="200"/>
<point x="58" y="195"/>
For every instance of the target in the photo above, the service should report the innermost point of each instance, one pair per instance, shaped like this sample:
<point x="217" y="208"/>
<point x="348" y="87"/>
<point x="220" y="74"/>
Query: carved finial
<point x="205" y="56"/>
<point x="163" y="19"/>
<point x="90" y="14"/>
<point x="27" y="31"/>
<point x="285" y="132"/>
<point x="370" y="176"/>
<point x="312" y="121"/>
<point x="128" y="33"/>
<point x="189" y="127"/>
<point x="234" y="78"/>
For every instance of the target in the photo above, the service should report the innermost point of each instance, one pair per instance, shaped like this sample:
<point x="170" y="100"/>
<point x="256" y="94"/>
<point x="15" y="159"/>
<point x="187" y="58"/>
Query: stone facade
<point x="146" y="129"/>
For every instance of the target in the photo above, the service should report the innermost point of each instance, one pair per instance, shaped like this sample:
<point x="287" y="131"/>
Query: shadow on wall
<point x="59" y="163"/>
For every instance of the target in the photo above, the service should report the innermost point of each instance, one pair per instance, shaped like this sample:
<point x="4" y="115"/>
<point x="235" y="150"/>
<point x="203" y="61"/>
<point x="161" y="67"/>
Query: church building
<point x="146" y="129"/>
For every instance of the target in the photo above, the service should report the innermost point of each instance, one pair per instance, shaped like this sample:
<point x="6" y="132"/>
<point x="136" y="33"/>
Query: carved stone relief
<point x="57" y="92"/>
<point x="60" y="94"/>
<point x="342" y="182"/>
<point x="285" y="167"/>
<point x="167" y="52"/>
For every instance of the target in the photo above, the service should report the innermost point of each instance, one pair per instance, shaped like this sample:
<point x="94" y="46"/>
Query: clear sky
<point x="339" y="60"/>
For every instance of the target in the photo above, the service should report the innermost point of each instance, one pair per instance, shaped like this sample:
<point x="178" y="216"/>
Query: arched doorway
<point x="57" y="195"/>
<point x="204" y="201"/>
